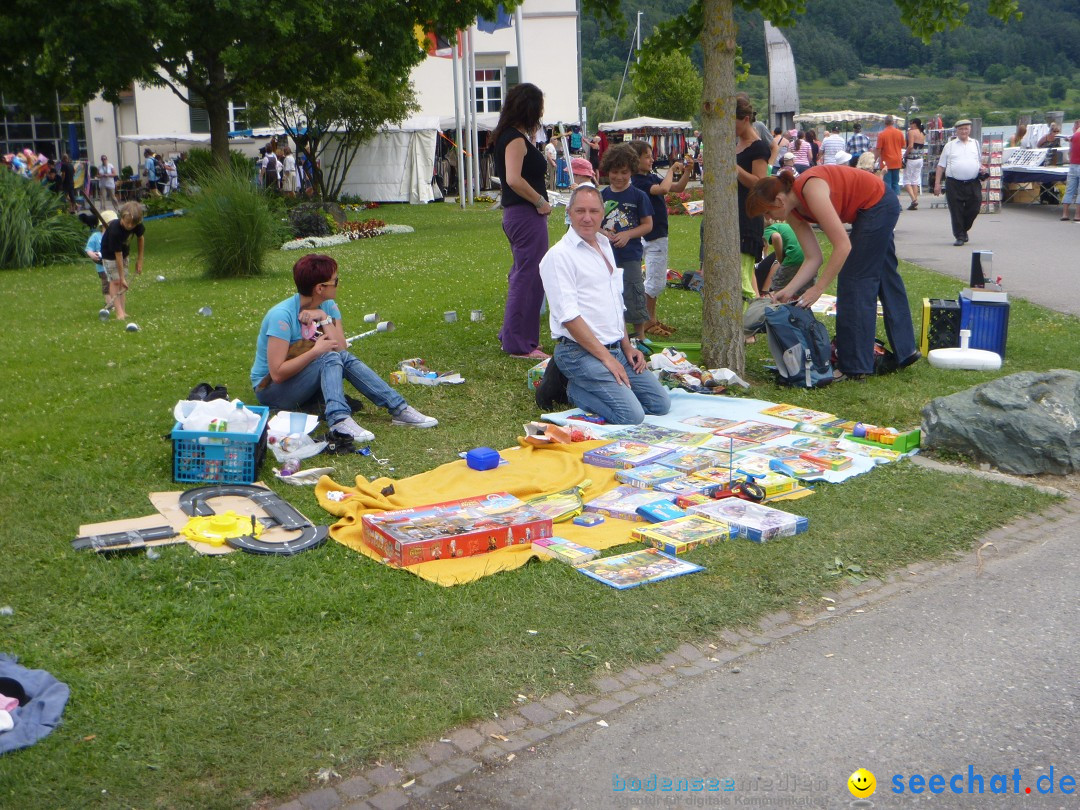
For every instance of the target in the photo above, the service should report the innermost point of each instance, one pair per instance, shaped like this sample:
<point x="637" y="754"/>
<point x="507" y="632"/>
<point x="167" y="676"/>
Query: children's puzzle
<point x="623" y="502"/>
<point x="624" y="453"/>
<point x="637" y="568"/>
<point x="683" y="534"/>
<point x="753" y="521"/>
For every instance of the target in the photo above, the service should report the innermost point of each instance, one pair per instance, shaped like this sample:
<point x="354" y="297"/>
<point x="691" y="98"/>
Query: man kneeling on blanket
<point x="301" y="352"/>
<point x="605" y="374"/>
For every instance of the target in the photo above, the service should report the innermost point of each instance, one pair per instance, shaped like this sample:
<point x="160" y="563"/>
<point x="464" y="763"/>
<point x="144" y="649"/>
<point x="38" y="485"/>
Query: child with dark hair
<point x="628" y="216"/>
<point x="301" y="352"/>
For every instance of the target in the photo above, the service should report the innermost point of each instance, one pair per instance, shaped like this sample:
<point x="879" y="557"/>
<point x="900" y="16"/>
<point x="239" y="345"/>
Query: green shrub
<point x="310" y="219"/>
<point x="202" y="161"/>
<point x="35" y="228"/>
<point x="236" y="224"/>
<point x="156" y="204"/>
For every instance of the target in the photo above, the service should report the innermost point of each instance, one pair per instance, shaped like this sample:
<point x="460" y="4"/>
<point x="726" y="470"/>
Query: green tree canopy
<point x="667" y="85"/>
<point x="216" y="51"/>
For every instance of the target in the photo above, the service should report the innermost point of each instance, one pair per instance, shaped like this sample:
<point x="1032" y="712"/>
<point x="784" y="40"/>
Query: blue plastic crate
<point x="220" y="458"/>
<point x="988" y="322"/>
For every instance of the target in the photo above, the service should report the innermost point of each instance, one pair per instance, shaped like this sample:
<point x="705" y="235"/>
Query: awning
<point x="173" y="140"/>
<point x="644" y="122"/>
<point x="845" y="117"/>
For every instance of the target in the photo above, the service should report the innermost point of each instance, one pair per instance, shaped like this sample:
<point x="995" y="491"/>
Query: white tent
<point x="397" y="165"/>
<point x="642" y="123"/>
<point x="845" y="116"/>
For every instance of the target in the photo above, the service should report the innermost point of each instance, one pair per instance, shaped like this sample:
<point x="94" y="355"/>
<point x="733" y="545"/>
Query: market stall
<point x="668" y="138"/>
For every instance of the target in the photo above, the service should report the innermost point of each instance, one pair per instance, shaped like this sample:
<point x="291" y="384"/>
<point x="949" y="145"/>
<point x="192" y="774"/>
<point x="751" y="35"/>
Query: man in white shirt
<point x="605" y="374"/>
<point x="831" y="145"/>
<point x="107" y="183"/>
<point x="961" y="164"/>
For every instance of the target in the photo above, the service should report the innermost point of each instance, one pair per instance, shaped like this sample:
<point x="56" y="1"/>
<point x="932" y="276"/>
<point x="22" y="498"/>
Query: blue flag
<point x="502" y="20"/>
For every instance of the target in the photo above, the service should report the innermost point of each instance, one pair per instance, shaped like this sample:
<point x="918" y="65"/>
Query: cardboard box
<point x="536" y="373"/>
<point x="461" y="528"/>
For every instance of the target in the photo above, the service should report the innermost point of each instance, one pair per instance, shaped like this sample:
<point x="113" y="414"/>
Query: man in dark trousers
<point x="961" y="165"/>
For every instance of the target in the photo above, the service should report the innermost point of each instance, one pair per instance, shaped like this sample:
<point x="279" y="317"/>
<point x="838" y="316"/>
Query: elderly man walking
<point x="961" y="164"/>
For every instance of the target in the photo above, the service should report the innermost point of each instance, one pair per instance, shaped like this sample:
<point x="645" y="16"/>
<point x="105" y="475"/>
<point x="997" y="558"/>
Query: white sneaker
<point x="349" y="427"/>
<point x="410" y="417"/>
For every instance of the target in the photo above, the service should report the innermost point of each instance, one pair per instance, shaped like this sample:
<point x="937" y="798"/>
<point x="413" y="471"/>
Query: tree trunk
<point x="722" y="340"/>
<point x="217" y="110"/>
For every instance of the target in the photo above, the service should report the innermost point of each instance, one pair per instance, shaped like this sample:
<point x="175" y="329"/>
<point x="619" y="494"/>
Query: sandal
<point x="657" y="329"/>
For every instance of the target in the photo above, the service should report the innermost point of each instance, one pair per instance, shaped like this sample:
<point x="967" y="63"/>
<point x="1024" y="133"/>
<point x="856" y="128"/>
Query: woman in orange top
<point x="863" y="263"/>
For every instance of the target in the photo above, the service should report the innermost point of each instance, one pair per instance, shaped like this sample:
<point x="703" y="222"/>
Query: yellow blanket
<point x="530" y="471"/>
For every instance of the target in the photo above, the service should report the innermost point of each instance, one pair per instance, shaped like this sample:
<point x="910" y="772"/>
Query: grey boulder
<point x="1025" y="423"/>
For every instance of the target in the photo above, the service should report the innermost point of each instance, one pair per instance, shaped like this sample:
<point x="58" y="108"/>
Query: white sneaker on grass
<point x="410" y="417"/>
<point x="348" y="427"/>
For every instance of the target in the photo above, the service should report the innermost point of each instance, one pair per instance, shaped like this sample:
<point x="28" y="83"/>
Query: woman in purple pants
<point x="522" y="170"/>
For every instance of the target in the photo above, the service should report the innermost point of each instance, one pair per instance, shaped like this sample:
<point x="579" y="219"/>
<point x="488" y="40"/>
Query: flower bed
<point x="675" y="201"/>
<point x="366" y="229"/>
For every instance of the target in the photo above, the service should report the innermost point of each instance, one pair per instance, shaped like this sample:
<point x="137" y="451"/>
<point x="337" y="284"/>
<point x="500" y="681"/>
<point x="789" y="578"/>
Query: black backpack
<point x="271" y="166"/>
<point x="800" y="345"/>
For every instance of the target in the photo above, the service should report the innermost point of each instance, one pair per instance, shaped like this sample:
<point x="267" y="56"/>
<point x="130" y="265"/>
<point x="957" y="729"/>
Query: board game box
<point x="684" y="534"/>
<point x="623" y="501"/>
<point x="565" y="550"/>
<point x="624" y="454"/>
<point x="648" y="476"/>
<point x="795" y="414"/>
<point x="688" y="461"/>
<point x="637" y="568"/>
<point x="688" y="485"/>
<point x="828" y="459"/>
<point x="461" y="528"/>
<point x="751" y="431"/>
<point x="753" y="521"/>
<point x="660" y="436"/>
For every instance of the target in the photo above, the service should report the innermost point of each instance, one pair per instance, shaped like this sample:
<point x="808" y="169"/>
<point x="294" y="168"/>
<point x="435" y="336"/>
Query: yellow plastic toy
<point x="216" y="529"/>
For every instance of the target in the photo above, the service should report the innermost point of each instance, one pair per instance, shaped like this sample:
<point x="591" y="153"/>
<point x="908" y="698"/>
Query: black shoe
<point x="958" y="243"/>
<point x="965" y="240"/>
<point x="552" y="388"/>
<point x="911" y="359"/>
<point x="839" y="376"/>
<point x="200" y="391"/>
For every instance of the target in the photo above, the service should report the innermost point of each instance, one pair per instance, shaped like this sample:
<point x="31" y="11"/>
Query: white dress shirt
<point x="579" y="283"/>
<point x="961" y="160"/>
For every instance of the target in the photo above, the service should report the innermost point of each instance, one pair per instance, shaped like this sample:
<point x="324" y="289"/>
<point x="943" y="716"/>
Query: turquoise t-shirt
<point x="282" y="321"/>
<point x="93" y="244"/>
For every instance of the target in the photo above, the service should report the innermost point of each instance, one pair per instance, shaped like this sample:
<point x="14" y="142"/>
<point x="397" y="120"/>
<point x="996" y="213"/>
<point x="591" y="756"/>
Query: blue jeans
<point x="1072" y="186"/>
<point x="892" y="180"/>
<point x="326" y="375"/>
<point x="870" y="273"/>
<point x="591" y="387"/>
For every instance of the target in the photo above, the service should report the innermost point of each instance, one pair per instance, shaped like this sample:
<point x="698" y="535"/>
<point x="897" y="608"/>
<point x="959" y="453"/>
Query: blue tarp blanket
<point x="685" y="405"/>
<point x="40" y="713"/>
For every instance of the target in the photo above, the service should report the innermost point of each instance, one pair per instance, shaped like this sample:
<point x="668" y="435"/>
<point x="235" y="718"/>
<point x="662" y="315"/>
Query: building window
<point x="489" y="90"/>
<point x="50" y="136"/>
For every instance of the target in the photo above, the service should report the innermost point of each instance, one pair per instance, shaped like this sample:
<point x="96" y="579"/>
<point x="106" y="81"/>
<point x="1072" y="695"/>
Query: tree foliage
<point x="667" y="85"/>
<point x="338" y="117"/>
<point x="210" y="52"/>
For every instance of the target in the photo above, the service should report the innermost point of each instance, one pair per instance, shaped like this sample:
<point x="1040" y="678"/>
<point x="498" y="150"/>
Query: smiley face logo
<point x="862" y="784"/>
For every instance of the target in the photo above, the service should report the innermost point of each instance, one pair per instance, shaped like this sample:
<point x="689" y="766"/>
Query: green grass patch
<point x="214" y="682"/>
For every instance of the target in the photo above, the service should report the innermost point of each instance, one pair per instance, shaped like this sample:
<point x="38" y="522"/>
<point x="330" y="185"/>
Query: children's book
<point x="757" y="432"/>
<point x="660" y="436"/>
<point x="624" y="454"/>
<point x="836" y="428"/>
<point x="688" y="461"/>
<point x="713" y="423"/>
<point x="637" y="568"/>
<point x="688" y="485"/>
<point x="562" y="549"/>
<point x="720" y="443"/>
<point x="795" y="414"/>
<point x="796" y="467"/>
<point x="718" y="476"/>
<point x="623" y="502"/>
<point x="659" y="511"/>
<point x="648" y="476"/>
<point x="753" y="521"/>
<point x="684" y="534"/>
<point x="828" y="459"/>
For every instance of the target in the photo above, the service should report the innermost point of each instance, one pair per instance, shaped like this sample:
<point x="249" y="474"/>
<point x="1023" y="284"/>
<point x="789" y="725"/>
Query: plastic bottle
<point x="241" y="420"/>
<point x="290" y="466"/>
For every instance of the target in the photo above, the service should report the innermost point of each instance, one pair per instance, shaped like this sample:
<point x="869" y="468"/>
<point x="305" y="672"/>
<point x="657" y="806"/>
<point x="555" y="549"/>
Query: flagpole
<point x="475" y="134"/>
<point x="466" y="143"/>
<point x="520" y="51"/>
<point x="457" y="125"/>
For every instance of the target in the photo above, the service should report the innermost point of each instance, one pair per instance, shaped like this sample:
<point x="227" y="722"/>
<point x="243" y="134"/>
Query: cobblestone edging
<point x="467" y="750"/>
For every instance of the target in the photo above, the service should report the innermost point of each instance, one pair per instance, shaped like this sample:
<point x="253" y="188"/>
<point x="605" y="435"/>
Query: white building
<point x="549" y="58"/>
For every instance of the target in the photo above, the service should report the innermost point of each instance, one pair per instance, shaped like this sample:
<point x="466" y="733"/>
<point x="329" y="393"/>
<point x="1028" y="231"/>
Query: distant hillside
<point x="837" y="40"/>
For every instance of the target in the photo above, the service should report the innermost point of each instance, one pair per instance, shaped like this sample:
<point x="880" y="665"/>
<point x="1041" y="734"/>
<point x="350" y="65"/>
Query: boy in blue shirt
<point x="628" y="216"/>
<point x="93" y="250"/>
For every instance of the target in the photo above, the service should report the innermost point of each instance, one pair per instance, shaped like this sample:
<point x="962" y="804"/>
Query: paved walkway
<point x="937" y="668"/>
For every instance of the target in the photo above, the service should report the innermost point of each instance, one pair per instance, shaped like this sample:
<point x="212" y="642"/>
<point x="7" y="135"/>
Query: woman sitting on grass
<point x="301" y="352"/>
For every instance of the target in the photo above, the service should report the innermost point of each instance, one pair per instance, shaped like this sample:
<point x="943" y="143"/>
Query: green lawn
<point x="215" y="682"/>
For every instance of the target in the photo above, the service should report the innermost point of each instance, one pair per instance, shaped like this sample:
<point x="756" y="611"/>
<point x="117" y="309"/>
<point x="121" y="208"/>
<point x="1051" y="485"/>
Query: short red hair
<point x="763" y="195"/>
<point x="311" y="270"/>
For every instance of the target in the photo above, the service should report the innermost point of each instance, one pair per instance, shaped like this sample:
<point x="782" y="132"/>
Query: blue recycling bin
<point x="988" y="322"/>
